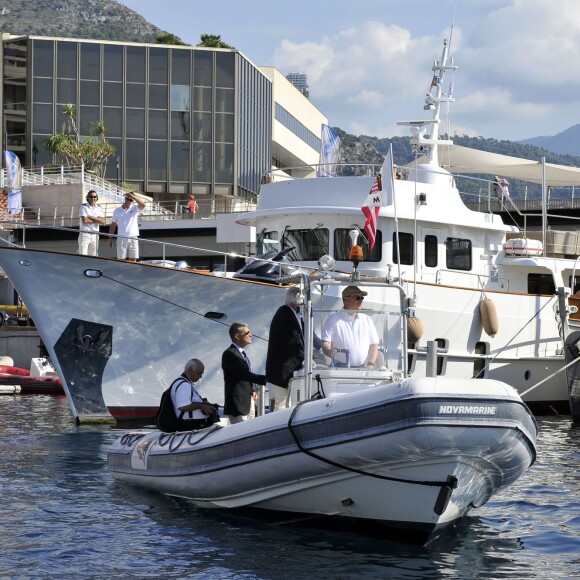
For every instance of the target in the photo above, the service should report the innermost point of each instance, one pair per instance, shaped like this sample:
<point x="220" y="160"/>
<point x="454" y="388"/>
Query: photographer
<point x="193" y="411"/>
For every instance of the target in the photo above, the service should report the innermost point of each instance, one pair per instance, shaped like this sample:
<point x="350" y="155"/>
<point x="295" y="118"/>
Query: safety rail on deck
<point x="68" y="215"/>
<point x="500" y="281"/>
<point x="8" y="225"/>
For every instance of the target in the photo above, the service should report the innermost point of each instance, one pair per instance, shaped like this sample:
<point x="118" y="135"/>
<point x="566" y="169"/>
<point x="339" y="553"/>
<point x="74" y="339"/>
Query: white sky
<point x="369" y="61"/>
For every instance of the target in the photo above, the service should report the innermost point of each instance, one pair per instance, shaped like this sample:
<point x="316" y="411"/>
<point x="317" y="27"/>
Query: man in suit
<point x="286" y="347"/>
<point x="240" y="390"/>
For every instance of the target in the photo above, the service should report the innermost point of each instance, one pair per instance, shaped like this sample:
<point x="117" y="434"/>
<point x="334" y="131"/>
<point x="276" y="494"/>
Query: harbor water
<point x="62" y="515"/>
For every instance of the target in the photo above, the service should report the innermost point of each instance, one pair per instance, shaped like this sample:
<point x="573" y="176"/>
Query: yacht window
<point x="342" y="245"/>
<point x="458" y="254"/>
<point x="307" y="244"/>
<point x="406" y="248"/>
<point x="541" y="284"/>
<point x="267" y="242"/>
<point x="431" y="251"/>
<point x="576" y="288"/>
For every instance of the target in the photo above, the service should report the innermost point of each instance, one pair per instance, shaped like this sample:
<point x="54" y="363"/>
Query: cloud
<point x="518" y="71"/>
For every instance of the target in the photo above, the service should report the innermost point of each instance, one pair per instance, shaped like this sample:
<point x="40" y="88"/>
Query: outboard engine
<point x="268" y="271"/>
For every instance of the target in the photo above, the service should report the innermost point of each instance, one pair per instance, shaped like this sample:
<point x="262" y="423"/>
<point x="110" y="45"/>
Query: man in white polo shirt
<point x="349" y="336"/>
<point x="125" y="223"/>
<point x="90" y="217"/>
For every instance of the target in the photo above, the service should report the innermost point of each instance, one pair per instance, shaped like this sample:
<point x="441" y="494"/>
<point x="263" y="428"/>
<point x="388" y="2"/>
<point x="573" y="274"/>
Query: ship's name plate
<point x="467" y="410"/>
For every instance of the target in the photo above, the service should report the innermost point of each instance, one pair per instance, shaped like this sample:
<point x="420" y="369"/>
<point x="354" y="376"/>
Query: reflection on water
<point x="62" y="514"/>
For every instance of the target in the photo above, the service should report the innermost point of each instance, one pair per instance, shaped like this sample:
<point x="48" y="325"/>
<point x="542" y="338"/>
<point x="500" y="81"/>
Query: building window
<point x="43" y="58"/>
<point x="112" y="63"/>
<point x="135" y="69"/>
<point x="66" y="60"/>
<point x="90" y="61"/>
<point x="158" y="97"/>
<point x="157" y="124"/>
<point x="157" y="165"/>
<point x="90" y="93"/>
<point x="458" y="254"/>
<point x="180" y="98"/>
<point x="203" y="68"/>
<point x="180" y="67"/>
<point x="42" y="90"/>
<point x="158" y="65"/>
<point x="291" y="123"/>
<point x="66" y="92"/>
<point x="202" y="162"/>
<point x="135" y="120"/>
<point x="224" y="69"/>
<point x="135" y="95"/>
<point x="406" y="248"/>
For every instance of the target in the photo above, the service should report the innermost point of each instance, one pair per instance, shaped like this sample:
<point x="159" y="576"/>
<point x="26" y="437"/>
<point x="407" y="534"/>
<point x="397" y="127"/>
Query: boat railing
<point x="161" y="252"/>
<point x="163" y="247"/>
<point x="390" y="321"/>
<point x="67" y="215"/>
<point x="481" y="279"/>
<point x="327" y="170"/>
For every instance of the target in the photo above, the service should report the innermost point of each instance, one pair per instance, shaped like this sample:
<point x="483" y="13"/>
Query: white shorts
<point x="127" y="248"/>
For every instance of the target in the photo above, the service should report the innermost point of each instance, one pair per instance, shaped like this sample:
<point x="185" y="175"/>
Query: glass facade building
<point x="182" y="119"/>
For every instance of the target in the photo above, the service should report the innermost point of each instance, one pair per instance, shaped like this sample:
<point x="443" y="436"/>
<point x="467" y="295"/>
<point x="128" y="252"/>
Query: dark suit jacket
<point x="285" y="347"/>
<point x="238" y="381"/>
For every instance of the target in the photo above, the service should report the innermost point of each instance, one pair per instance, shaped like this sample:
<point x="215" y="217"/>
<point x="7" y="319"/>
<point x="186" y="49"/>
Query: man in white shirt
<point x="90" y="217"/>
<point x="187" y="399"/>
<point x="349" y="336"/>
<point x="125" y="223"/>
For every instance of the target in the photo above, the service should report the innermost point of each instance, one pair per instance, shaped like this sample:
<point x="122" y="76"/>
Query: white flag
<point x="381" y="194"/>
<point x="329" y="152"/>
<point x="13" y="182"/>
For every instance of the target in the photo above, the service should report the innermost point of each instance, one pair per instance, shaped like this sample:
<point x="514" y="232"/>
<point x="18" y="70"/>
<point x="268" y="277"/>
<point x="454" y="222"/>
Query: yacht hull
<point x="119" y="332"/>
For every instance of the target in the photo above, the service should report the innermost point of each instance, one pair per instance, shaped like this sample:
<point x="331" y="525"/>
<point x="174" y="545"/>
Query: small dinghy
<point x="401" y="454"/>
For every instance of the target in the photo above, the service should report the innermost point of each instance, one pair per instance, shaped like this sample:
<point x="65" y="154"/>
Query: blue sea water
<point x="62" y="515"/>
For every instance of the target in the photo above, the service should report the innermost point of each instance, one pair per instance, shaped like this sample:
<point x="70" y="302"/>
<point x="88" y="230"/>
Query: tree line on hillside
<point x="365" y="149"/>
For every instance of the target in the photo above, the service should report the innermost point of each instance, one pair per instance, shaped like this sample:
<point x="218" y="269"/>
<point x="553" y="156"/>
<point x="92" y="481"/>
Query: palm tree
<point x="92" y="151"/>
<point x="212" y="41"/>
<point x="168" y="38"/>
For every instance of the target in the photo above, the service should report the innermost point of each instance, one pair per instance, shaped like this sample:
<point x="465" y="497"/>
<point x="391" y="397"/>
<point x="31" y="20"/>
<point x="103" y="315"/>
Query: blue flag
<point x="329" y="152"/>
<point x="13" y="182"/>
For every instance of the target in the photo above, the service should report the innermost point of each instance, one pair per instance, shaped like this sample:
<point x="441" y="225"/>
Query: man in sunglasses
<point x="240" y="381"/>
<point x="125" y="223"/>
<point x="349" y="336"/>
<point x="90" y="217"/>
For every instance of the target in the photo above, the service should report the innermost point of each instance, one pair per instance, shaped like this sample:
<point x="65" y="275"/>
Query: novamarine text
<point x="465" y="410"/>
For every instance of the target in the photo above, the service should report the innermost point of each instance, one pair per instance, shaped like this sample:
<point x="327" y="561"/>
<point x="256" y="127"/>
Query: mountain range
<point x="110" y="20"/>
<point x="567" y="142"/>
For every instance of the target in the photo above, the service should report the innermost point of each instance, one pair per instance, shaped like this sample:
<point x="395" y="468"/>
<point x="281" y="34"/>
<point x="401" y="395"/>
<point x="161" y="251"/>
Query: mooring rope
<point x="451" y="483"/>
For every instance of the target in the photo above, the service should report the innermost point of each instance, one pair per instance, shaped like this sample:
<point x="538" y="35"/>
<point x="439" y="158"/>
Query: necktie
<point x="249" y="364"/>
<point x="247" y="360"/>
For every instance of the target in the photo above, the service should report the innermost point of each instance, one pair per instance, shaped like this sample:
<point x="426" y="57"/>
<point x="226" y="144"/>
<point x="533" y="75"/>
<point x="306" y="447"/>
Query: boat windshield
<point x="349" y="330"/>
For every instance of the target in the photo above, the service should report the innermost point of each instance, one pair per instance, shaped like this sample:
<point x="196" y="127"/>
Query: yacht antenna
<point x="452" y="24"/>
